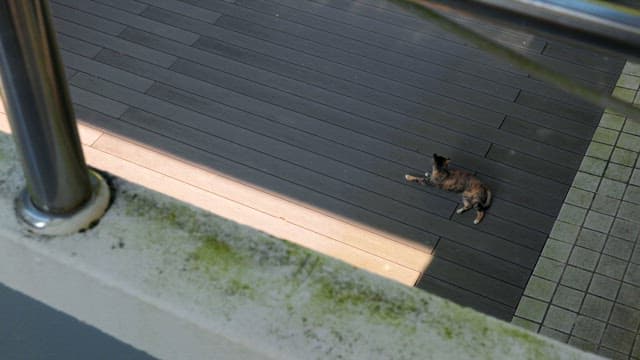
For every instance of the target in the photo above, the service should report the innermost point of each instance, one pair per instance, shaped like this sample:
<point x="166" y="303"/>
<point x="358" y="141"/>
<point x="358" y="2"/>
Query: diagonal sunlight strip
<point x="429" y="11"/>
<point x="387" y="257"/>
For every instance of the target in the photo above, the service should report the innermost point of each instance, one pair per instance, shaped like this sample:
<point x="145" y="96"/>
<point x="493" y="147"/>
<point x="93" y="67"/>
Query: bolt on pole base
<point x="42" y="223"/>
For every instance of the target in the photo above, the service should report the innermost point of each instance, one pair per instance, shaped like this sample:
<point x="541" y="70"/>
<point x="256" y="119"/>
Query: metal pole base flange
<point x="41" y="223"/>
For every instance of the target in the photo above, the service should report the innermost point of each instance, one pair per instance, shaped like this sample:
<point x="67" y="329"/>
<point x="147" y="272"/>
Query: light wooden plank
<point x="416" y="259"/>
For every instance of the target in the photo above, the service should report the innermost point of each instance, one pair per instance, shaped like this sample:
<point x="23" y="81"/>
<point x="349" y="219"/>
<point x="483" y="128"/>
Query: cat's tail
<point x="487" y="200"/>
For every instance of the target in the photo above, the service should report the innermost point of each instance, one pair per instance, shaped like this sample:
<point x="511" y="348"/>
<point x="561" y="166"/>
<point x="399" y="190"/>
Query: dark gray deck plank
<point x="589" y="117"/>
<point x="527" y="235"/>
<point x="77" y="46"/>
<point x="115" y="75"/>
<point x="465" y="297"/>
<point x="483" y="263"/>
<point x="329" y="103"/>
<point x="96" y="22"/>
<point x="99" y="103"/>
<point x="129" y="19"/>
<point x="474" y="281"/>
<point x="545" y="135"/>
<point x="131" y="6"/>
<point x="111" y="42"/>
<point x="604" y="62"/>
<point x="542" y="167"/>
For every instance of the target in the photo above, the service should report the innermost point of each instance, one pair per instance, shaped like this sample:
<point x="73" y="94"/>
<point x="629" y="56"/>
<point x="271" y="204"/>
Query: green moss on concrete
<point x="343" y="296"/>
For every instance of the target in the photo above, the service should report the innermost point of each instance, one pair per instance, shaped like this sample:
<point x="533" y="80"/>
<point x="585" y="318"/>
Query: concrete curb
<point x="180" y="283"/>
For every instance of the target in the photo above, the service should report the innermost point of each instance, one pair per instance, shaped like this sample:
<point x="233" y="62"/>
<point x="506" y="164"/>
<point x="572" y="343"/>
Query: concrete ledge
<point x="181" y="283"/>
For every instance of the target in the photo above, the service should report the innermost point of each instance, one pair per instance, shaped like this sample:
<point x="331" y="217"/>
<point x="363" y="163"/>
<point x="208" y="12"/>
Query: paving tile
<point x="618" y="172"/>
<point x="611" y="267"/>
<point x="568" y="298"/>
<point x="599" y="150"/>
<point x="636" y="347"/>
<point x="590" y="239"/>
<point x="624" y="157"/>
<point x="564" y="232"/>
<point x="632" y="194"/>
<point x="612" y="188"/>
<point x="631" y="68"/>
<point x="593" y="166"/>
<point x="531" y="309"/>
<point x="560" y="319"/>
<point x="548" y="269"/>
<point x="632" y="127"/>
<point x="628" y="81"/>
<point x="605" y="136"/>
<point x="625" y="317"/>
<point x="598" y="222"/>
<point x="612" y="354"/>
<point x="554" y="334"/>
<point x="635" y="255"/>
<point x="587" y="181"/>
<point x="605" y="205"/>
<point x="629" y="295"/>
<point x="576" y="278"/>
<point x="540" y="288"/>
<point x="629" y="211"/>
<point x="604" y="287"/>
<point x="619" y="248"/>
<point x="525" y="324"/>
<point x="557" y="250"/>
<point x="584" y="258"/>
<point x="633" y="274"/>
<point x="579" y="197"/>
<point x="582" y="344"/>
<point x="625" y="229"/>
<point x="617" y="338"/>
<point x="572" y="214"/>
<point x="625" y="141"/>
<point x="588" y="329"/>
<point x="635" y="177"/>
<point x="624" y="94"/>
<point x="596" y="307"/>
<point x="612" y="121"/>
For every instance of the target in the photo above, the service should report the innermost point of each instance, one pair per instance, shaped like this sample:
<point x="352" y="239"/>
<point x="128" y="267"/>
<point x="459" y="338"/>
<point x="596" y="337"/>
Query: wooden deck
<point x="322" y="106"/>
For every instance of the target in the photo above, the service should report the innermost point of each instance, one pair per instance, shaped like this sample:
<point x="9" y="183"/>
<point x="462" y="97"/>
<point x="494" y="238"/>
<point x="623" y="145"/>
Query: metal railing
<point x="61" y="193"/>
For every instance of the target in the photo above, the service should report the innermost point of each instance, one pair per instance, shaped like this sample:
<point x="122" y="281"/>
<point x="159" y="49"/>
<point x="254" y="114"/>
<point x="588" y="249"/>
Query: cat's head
<point x="439" y="168"/>
<point x="440" y="162"/>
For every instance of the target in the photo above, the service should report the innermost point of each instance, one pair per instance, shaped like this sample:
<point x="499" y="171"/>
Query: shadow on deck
<point x="330" y="102"/>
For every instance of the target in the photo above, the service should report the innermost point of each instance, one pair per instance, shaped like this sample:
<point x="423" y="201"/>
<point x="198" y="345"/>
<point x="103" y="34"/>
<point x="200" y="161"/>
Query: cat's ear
<point x="435" y="156"/>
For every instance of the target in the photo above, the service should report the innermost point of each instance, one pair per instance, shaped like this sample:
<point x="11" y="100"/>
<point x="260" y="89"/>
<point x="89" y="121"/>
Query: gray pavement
<point x="31" y="330"/>
<point x="585" y="289"/>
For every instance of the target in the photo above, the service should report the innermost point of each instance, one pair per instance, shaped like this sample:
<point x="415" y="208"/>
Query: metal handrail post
<point x="61" y="193"/>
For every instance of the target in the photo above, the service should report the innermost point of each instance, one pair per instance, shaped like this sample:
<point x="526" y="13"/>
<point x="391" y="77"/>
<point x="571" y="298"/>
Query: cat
<point x="474" y="192"/>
